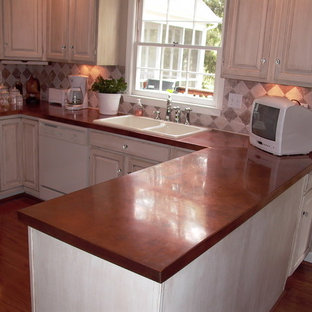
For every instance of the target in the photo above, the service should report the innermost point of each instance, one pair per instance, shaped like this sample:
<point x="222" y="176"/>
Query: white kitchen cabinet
<point x="114" y="155"/>
<point x="22" y="29"/>
<point x="10" y="155"/>
<point x="247" y="39"/>
<point x="30" y="154"/>
<point x="105" y="165"/>
<point x="86" y="31"/>
<point x="302" y="239"/>
<point x="267" y="41"/>
<point x="133" y="164"/>
<point x="294" y="52"/>
<point x="179" y="152"/>
<point x="71" y="30"/>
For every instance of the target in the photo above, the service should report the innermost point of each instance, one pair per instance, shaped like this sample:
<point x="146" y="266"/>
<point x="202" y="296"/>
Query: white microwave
<point x="280" y="126"/>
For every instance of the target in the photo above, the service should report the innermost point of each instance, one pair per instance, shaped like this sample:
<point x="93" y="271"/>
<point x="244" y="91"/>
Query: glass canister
<point x="13" y="96"/>
<point x="4" y="96"/>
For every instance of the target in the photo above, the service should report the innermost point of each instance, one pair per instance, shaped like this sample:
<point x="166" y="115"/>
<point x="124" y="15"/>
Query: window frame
<point x="134" y="10"/>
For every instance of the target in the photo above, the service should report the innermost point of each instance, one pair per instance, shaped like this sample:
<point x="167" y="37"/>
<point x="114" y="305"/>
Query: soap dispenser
<point x="138" y="109"/>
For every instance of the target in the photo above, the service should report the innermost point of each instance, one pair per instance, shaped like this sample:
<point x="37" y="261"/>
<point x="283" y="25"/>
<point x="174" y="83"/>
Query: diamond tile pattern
<point x="233" y="120"/>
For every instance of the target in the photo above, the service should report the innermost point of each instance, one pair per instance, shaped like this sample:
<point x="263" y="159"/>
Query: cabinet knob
<point x="125" y="146"/>
<point x="263" y="60"/>
<point x="305" y="213"/>
<point x="72" y="47"/>
<point x="119" y="171"/>
<point x="277" y="61"/>
<point x="63" y="47"/>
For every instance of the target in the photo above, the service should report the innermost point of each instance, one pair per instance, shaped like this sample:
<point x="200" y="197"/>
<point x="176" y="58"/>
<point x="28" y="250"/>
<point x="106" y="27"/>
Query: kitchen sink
<point x="149" y="125"/>
<point x="128" y="122"/>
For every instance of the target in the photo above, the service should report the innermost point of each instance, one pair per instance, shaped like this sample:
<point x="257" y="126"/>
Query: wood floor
<point x="14" y="271"/>
<point x="298" y="291"/>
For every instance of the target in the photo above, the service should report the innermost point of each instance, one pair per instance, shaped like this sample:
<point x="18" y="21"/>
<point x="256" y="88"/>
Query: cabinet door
<point x="30" y="154"/>
<point x="294" y="55"/>
<point x="22" y="29"/>
<point x="247" y="39"/>
<point x="82" y="34"/>
<point x="57" y="29"/>
<point x="303" y="237"/>
<point x="134" y="164"/>
<point x="104" y="165"/>
<point x="10" y="161"/>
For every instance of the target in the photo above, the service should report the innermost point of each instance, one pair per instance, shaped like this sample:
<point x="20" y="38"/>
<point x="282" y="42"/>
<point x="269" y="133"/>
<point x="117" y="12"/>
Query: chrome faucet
<point x="168" y="109"/>
<point x="187" y="112"/>
<point x="177" y="115"/>
<point x="157" y="114"/>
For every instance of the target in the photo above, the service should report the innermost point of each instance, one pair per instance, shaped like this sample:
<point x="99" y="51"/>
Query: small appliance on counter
<point x="57" y="96"/>
<point x="77" y="95"/>
<point x="280" y="126"/>
<point x="32" y="91"/>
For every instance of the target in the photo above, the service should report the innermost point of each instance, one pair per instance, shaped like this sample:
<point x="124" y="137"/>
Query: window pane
<point x="152" y="32"/>
<point x="196" y="22"/>
<point x="210" y="62"/>
<point x="167" y="67"/>
<point x="149" y="57"/>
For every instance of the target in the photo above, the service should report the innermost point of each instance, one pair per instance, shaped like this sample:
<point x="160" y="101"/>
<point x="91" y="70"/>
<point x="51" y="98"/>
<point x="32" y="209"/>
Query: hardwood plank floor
<point x="14" y="269"/>
<point x="298" y="291"/>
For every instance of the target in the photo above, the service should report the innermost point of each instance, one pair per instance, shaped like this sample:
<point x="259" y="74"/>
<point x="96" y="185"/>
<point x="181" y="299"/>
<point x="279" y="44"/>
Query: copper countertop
<point x="156" y="221"/>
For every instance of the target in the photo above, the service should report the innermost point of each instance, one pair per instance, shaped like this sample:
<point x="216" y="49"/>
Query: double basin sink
<point x="149" y="125"/>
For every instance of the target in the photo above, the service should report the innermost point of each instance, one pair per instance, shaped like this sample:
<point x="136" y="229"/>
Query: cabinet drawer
<point x="126" y="145"/>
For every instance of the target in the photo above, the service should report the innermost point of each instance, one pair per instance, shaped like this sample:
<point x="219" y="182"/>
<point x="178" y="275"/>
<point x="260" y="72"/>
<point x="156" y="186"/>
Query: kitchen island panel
<point x="65" y="278"/>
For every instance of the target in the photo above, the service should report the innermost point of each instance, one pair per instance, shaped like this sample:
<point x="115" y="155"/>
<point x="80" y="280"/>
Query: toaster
<point x="58" y="96"/>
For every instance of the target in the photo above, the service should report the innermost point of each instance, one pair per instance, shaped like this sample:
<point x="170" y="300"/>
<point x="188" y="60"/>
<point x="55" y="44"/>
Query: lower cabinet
<point x="133" y="164"/>
<point x="113" y="155"/>
<point x="303" y="236"/>
<point x="104" y="165"/>
<point x="30" y="154"/>
<point x="10" y="155"/>
<point x="18" y="155"/>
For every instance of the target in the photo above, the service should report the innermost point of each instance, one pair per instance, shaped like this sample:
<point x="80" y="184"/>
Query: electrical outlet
<point x="235" y="100"/>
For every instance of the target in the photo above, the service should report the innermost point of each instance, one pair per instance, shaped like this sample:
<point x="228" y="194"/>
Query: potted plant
<point x="109" y="93"/>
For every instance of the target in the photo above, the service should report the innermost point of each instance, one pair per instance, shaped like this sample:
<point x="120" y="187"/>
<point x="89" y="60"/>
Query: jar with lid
<point x="4" y="96"/>
<point x="13" y="96"/>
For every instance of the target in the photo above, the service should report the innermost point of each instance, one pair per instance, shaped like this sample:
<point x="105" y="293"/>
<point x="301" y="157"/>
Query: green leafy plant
<point x="102" y="85"/>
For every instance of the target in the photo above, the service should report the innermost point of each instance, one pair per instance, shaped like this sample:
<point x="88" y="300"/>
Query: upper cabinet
<point x="247" y="39"/>
<point x="294" y="53"/>
<point x="267" y="41"/>
<point x="22" y="29"/>
<point x="86" y="31"/>
<point x="71" y="30"/>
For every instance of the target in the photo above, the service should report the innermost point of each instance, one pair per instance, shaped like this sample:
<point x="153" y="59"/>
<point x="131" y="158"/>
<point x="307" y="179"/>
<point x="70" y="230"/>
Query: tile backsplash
<point x="233" y="120"/>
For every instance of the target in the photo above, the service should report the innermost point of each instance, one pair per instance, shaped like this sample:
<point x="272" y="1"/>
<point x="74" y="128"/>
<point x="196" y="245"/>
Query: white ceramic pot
<point x="108" y="103"/>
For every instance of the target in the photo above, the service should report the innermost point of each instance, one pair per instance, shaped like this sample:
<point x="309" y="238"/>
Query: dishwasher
<point x="63" y="159"/>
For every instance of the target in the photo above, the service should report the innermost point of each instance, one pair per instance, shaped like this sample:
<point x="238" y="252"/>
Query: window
<point x="175" y="49"/>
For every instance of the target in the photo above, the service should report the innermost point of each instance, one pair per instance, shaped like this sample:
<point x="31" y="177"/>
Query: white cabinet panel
<point x="295" y="49"/>
<point x="11" y="148"/>
<point x="247" y="39"/>
<point x="30" y="153"/>
<point x="22" y="29"/>
<point x="267" y="41"/>
<point x="71" y="30"/>
<point x="104" y="165"/>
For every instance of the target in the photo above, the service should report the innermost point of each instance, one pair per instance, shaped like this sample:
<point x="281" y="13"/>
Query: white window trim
<point x="161" y="102"/>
